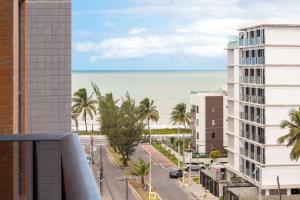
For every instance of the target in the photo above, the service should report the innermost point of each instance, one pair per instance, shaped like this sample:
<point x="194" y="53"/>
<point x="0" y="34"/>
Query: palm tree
<point x="179" y="116"/>
<point x="96" y="90"/>
<point x="75" y="119"/>
<point x="84" y="104"/>
<point x="148" y="112"/>
<point x="141" y="169"/>
<point x="293" y="137"/>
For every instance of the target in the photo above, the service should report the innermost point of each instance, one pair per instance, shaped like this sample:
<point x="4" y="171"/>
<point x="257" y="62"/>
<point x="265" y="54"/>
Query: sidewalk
<point x="158" y="157"/>
<point x="197" y="193"/>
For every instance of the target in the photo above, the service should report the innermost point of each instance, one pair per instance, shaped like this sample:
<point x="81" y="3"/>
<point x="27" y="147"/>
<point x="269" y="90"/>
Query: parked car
<point x="175" y="173"/>
<point x="90" y="159"/>
<point x="194" y="166"/>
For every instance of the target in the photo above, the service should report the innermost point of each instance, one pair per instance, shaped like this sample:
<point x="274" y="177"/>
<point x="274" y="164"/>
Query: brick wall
<point x="214" y="132"/>
<point x="9" y="97"/>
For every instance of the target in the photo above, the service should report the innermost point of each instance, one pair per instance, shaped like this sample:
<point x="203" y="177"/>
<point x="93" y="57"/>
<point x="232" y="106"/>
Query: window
<point x="213" y="122"/>
<point x="213" y="109"/>
<point x="197" y="109"/>
<point x="197" y="136"/>
<point x="197" y="122"/>
<point x="213" y="135"/>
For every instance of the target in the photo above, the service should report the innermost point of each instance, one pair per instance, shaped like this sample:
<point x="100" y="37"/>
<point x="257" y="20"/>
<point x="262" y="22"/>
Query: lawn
<point x="167" y="154"/>
<point x="136" y="184"/>
<point x="88" y="132"/>
<point x="165" y="131"/>
<point x="196" y="180"/>
<point x="116" y="156"/>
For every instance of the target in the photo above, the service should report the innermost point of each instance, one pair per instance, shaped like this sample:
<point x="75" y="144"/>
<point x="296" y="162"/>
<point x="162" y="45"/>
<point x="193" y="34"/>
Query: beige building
<point x="35" y="82"/>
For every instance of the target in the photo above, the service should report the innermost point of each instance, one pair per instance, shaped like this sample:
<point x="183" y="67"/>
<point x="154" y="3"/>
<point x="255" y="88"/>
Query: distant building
<point x="35" y="85"/>
<point x="263" y="86"/>
<point x="213" y="179"/>
<point x="207" y="126"/>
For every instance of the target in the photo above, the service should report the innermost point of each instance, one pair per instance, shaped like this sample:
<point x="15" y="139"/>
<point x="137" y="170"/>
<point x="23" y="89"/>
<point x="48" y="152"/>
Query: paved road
<point x="168" y="189"/>
<point x="113" y="189"/>
<point x="98" y="140"/>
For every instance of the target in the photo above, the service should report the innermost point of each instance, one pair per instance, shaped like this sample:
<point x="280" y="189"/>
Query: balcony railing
<point x="251" y="41"/>
<point x="252" y="79"/>
<point x="252" y="61"/>
<point x="253" y="99"/>
<point x="253" y="118"/>
<point x="57" y="166"/>
<point x="252" y="136"/>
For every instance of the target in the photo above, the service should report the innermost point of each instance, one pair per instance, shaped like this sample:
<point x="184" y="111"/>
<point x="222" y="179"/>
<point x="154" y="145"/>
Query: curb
<point x="134" y="192"/>
<point x="153" y="159"/>
<point x="112" y="159"/>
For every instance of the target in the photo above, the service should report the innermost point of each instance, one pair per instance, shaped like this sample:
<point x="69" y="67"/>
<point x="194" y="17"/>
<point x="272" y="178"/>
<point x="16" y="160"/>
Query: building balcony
<point x="252" y="118"/>
<point x="251" y="41"/>
<point x="252" y="79"/>
<point x="52" y="165"/>
<point x="252" y="61"/>
<point x="253" y="99"/>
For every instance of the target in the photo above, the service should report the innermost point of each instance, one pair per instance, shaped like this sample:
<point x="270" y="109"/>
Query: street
<point x="168" y="189"/>
<point x="113" y="189"/>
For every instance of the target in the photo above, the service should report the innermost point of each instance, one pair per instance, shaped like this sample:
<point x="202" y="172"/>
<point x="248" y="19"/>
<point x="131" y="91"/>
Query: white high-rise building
<point x="263" y="87"/>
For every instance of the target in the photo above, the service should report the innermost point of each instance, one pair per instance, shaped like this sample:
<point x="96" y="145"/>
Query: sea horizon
<point x="147" y="70"/>
<point x="165" y="87"/>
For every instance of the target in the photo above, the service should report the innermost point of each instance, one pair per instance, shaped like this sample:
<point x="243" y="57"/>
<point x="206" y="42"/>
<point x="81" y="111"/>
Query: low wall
<point x="283" y="197"/>
<point x="198" y="160"/>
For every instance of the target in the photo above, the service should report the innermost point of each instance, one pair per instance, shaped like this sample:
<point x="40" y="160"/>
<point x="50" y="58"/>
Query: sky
<point x="163" y="34"/>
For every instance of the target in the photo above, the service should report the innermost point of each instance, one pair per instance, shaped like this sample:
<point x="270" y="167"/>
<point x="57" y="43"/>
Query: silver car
<point x="194" y="166"/>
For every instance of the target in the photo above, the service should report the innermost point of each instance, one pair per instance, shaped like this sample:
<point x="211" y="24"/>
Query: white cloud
<point x="217" y="27"/>
<point x="206" y="34"/>
<point x="94" y="59"/>
<point x="83" y="47"/>
<point x="201" y="38"/>
<point x="137" y="30"/>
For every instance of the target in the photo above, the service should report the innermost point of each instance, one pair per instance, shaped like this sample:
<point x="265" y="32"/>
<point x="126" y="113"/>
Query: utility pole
<point x="126" y="188"/>
<point x="126" y="179"/>
<point x="150" y="164"/>
<point x="279" y="191"/>
<point x="92" y="147"/>
<point x="190" y="170"/>
<point x="178" y="149"/>
<point x="101" y="175"/>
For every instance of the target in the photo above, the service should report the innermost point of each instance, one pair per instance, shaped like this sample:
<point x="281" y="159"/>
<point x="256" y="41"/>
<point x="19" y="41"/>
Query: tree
<point x="108" y="119"/>
<point x="96" y="91"/>
<point x="140" y="169"/>
<point x="147" y="112"/>
<point x="84" y="104"/>
<point x="214" y="154"/>
<point x="293" y="136"/>
<point x="130" y="129"/>
<point x="75" y="119"/>
<point x="172" y="140"/>
<point x="179" y="116"/>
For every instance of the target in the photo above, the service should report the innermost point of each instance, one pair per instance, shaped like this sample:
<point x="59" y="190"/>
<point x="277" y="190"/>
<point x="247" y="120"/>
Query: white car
<point x="194" y="166"/>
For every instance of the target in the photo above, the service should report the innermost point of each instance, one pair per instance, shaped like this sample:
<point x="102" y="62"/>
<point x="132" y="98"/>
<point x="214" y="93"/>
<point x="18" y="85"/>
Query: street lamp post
<point x="178" y="149"/>
<point x="150" y="164"/>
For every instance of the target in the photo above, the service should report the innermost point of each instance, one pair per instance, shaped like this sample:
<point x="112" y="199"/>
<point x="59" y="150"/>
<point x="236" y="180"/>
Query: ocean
<point x="166" y="88"/>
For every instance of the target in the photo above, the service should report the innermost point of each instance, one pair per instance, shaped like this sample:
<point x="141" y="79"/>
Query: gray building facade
<point x="48" y="66"/>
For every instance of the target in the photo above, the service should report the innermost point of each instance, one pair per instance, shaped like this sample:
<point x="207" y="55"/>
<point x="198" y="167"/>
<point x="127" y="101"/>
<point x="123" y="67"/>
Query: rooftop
<point x="244" y="191"/>
<point x="208" y="92"/>
<point x="275" y="22"/>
